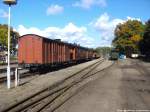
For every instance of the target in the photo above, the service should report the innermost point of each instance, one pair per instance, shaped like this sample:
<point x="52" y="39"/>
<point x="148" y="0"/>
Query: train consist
<point x="38" y="51"/>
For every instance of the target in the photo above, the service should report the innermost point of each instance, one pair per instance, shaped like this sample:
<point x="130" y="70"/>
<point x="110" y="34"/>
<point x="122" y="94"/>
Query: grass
<point x="12" y="59"/>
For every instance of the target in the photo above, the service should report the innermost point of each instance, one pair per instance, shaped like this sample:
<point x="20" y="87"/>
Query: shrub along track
<point x="52" y="97"/>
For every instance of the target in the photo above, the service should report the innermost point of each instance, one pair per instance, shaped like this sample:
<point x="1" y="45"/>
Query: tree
<point x="3" y="38"/>
<point x="145" y="42"/>
<point x="103" y="51"/>
<point x="128" y="35"/>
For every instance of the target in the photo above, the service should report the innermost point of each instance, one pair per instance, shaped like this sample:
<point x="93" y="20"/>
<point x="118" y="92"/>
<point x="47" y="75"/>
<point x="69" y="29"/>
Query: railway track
<point x="4" y="69"/>
<point x="22" y="74"/>
<point x="5" y="64"/>
<point x="50" y="98"/>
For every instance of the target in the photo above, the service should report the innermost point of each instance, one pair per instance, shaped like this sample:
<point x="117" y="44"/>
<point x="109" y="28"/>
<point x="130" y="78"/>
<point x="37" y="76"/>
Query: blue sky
<point x="87" y="22"/>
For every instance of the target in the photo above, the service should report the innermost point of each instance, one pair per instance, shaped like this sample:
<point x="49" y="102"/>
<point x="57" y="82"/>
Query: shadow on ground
<point x="145" y="59"/>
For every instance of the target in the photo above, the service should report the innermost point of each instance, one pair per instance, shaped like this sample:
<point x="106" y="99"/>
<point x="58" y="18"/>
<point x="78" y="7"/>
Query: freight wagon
<point x="38" y="51"/>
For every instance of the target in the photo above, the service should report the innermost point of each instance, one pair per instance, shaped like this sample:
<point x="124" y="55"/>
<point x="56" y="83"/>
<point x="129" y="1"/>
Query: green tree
<point x="3" y="38"/>
<point x="103" y="51"/>
<point x="145" y="42"/>
<point x="128" y="35"/>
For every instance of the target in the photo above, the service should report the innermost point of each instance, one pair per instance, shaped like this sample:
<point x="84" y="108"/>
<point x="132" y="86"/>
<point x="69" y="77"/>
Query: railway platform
<point x="10" y="97"/>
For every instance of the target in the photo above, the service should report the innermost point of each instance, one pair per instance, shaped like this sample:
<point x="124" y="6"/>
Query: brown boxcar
<point x="36" y="50"/>
<point x="30" y="49"/>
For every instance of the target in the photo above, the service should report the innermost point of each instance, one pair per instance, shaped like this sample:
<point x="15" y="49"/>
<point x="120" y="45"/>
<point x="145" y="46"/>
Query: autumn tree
<point x="145" y="42"/>
<point x="3" y="38"/>
<point x="128" y="36"/>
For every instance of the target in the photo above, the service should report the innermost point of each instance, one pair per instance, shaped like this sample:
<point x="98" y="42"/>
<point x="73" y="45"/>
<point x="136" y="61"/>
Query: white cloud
<point x="86" y="4"/>
<point x="106" y="26"/>
<point x="54" y="9"/>
<point x="131" y="18"/>
<point x="70" y="33"/>
<point x="3" y="14"/>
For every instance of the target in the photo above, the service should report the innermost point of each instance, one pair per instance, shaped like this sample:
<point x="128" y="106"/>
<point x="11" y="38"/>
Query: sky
<point x="90" y="23"/>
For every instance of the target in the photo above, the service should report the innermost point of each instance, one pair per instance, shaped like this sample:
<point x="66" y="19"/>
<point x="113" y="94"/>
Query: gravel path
<point x="125" y="86"/>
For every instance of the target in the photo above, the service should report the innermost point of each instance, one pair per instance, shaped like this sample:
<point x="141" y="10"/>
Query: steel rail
<point x="53" y="92"/>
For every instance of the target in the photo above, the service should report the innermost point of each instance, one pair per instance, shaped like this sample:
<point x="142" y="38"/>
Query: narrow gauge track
<point x="21" y="75"/>
<point x="27" y="73"/>
<point x="10" y="63"/>
<point x="24" y="74"/>
<point x="3" y="70"/>
<point x="39" y="101"/>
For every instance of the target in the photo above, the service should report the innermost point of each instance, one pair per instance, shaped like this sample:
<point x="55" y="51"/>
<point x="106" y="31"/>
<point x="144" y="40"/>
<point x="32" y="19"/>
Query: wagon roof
<point x="55" y="40"/>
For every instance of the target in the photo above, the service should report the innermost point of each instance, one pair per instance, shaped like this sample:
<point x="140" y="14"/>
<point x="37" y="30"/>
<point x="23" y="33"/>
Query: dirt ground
<point x="122" y="88"/>
<point x="36" y="84"/>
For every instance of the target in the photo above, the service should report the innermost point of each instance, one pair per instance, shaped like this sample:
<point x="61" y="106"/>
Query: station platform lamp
<point x="9" y="3"/>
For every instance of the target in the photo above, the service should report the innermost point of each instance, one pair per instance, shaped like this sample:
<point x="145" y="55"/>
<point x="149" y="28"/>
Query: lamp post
<point x="9" y="3"/>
